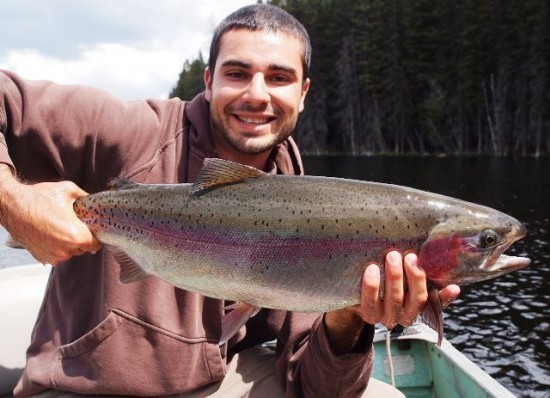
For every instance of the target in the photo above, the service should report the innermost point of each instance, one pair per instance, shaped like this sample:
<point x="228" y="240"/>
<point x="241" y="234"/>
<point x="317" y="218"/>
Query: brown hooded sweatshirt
<point x="95" y="335"/>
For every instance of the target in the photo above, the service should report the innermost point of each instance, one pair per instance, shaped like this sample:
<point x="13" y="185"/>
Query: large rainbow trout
<point x="293" y="243"/>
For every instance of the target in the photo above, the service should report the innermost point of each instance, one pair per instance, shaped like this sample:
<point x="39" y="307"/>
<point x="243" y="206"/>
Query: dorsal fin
<point x="218" y="172"/>
<point x="117" y="183"/>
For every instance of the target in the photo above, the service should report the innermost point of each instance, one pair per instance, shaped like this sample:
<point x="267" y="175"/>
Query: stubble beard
<point x="250" y="145"/>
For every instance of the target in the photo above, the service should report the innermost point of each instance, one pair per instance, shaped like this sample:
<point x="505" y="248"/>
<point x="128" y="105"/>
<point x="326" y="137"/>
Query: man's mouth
<point x="254" y="120"/>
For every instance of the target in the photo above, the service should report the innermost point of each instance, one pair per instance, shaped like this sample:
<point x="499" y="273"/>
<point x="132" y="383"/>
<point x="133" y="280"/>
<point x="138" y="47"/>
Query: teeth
<point x="253" y="120"/>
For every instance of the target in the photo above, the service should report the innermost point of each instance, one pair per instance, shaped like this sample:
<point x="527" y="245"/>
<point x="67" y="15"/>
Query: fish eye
<point x="488" y="238"/>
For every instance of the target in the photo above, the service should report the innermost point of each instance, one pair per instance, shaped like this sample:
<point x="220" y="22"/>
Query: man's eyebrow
<point x="283" y="68"/>
<point x="272" y="67"/>
<point x="241" y="64"/>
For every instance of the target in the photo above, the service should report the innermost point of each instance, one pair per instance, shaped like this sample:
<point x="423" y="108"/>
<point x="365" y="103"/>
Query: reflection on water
<point x="503" y="325"/>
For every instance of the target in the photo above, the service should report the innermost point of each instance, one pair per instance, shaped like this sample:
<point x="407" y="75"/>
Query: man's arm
<point x="40" y="217"/>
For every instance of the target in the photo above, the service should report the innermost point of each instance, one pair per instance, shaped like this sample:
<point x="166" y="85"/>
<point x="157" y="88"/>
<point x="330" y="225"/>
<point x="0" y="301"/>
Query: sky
<point x="133" y="48"/>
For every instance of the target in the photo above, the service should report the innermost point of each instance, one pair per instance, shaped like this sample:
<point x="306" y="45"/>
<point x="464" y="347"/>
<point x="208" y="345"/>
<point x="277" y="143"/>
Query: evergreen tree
<point x="191" y="80"/>
<point x="424" y="76"/>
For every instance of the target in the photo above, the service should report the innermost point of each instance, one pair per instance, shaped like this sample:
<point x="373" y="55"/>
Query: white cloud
<point x="133" y="48"/>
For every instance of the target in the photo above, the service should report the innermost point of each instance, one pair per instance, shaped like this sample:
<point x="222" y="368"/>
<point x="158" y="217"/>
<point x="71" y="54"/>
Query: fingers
<point x="417" y="292"/>
<point x="449" y="294"/>
<point x="400" y="303"/>
<point x="42" y="219"/>
<point x="405" y="291"/>
<point x="393" y="290"/>
<point x="389" y="309"/>
<point x="371" y="304"/>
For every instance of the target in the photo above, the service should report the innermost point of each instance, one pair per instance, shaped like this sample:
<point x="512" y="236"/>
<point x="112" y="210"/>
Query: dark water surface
<point x="503" y="325"/>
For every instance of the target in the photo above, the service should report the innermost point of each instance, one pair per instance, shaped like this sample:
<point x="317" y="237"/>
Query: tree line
<point x="421" y="76"/>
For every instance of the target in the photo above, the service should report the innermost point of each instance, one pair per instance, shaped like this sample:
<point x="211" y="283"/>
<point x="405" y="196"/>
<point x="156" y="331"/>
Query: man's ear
<point x="208" y="76"/>
<point x="305" y="89"/>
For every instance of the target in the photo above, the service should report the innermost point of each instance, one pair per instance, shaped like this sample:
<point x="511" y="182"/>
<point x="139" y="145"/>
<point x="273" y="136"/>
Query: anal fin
<point x="234" y="320"/>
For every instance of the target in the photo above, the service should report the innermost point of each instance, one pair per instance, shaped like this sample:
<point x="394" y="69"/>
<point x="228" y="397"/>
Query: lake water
<point x="502" y="325"/>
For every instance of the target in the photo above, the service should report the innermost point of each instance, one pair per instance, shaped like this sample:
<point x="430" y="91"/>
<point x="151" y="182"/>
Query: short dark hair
<point x="258" y="17"/>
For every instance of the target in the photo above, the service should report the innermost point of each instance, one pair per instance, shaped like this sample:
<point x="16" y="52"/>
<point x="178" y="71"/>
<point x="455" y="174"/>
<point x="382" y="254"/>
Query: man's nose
<point x="257" y="90"/>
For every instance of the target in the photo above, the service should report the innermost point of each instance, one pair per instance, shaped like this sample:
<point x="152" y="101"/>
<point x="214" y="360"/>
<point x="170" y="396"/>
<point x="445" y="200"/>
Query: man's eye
<point x="236" y="75"/>
<point x="279" y="79"/>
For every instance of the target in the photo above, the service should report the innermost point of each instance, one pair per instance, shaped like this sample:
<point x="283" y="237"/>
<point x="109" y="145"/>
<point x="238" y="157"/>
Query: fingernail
<point x="412" y="259"/>
<point x="373" y="270"/>
<point x="395" y="258"/>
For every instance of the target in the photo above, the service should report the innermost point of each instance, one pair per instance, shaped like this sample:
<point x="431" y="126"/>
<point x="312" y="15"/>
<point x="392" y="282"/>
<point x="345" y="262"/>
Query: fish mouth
<point x="505" y="264"/>
<point x="499" y="263"/>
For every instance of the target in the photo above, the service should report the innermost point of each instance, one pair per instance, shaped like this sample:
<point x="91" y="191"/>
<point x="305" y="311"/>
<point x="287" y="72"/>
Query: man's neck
<point x="258" y="161"/>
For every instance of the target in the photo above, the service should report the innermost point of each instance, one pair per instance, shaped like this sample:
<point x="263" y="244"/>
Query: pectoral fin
<point x="234" y="320"/>
<point x="433" y="313"/>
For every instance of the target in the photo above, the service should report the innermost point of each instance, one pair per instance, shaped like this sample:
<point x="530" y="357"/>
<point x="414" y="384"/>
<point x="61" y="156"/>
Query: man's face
<point x="256" y="91"/>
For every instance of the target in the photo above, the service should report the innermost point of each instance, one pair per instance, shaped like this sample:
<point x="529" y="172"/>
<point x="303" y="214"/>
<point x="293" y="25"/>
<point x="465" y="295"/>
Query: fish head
<point x="468" y="247"/>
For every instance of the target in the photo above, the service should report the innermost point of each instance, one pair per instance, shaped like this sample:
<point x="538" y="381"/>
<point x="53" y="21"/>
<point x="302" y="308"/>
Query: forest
<point x="456" y="77"/>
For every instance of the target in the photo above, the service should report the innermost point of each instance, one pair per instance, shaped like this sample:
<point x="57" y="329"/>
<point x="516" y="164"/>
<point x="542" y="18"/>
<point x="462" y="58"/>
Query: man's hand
<point x="40" y="217"/>
<point x="399" y="305"/>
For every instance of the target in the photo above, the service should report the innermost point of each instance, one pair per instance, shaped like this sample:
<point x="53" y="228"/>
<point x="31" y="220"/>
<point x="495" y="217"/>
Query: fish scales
<point x="294" y="243"/>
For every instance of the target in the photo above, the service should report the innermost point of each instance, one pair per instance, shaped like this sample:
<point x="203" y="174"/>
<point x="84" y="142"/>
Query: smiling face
<point x="255" y="93"/>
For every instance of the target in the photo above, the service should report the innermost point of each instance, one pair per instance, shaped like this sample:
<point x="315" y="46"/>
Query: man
<point x="97" y="336"/>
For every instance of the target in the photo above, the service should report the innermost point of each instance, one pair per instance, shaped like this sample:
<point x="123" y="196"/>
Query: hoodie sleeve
<point x="50" y="132"/>
<point x="307" y="366"/>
